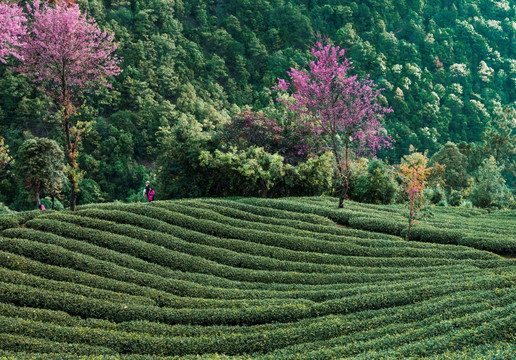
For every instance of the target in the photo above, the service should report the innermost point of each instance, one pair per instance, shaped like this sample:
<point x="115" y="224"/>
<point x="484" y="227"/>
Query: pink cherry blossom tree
<point x="66" y="54"/>
<point x="341" y="107"/>
<point x="12" y="29"/>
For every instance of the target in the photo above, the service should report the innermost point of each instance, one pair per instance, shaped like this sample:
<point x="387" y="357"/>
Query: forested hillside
<point x="448" y="69"/>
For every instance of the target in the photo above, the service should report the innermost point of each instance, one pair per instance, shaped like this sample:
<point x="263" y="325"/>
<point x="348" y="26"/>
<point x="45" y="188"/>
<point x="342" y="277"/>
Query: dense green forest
<point x="190" y="67"/>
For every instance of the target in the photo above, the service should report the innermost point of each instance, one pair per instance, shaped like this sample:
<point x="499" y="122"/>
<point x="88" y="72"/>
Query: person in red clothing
<point x="150" y="195"/>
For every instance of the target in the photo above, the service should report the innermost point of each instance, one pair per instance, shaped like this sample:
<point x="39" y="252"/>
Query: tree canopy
<point x="447" y="70"/>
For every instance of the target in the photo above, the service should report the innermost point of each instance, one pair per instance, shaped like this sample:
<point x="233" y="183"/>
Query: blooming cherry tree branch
<point x="12" y="29"/>
<point x="343" y="107"/>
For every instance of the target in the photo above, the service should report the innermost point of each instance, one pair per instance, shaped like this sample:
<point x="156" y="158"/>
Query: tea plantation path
<point x="247" y="278"/>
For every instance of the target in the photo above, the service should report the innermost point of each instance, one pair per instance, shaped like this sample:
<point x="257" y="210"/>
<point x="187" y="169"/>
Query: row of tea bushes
<point x="444" y="227"/>
<point x="9" y="221"/>
<point x="269" y="215"/>
<point x="16" y="219"/>
<point x="237" y="245"/>
<point x="160" y="255"/>
<point x="166" y="280"/>
<point x="317" y="278"/>
<point x="311" y="327"/>
<point x="467" y="230"/>
<point x="127" y="269"/>
<point x="470" y="227"/>
<point x="309" y="242"/>
<point x="242" y="211"/>
<point x="57" y="255"/>
<point x="69" y="278"/>
<point x="268" y="212"/>
<point x="22" y="278"/>
<point x="318" y="293"/>
<point x="282" y="336"/>
<point x="414" y="341"/>
<point x="254" y="313"/>
<point x="18" y="344"/>
<point x="340" y="216"/>
<point x="334" y="236"/>
<point x="322" y="334"/>
<point x="51" y="254"/>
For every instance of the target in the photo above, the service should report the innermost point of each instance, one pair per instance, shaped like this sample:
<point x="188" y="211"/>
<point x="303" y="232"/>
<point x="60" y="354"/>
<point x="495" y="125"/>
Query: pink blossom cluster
<point x="12" y="29"/>
<point x="64" y="52"/>
<point x="330" y="101"/>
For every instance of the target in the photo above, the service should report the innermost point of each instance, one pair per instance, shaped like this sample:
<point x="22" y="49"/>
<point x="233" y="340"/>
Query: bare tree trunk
<point x="38" y="200"/>
<point x="53" y="197"/>
<point x="344" y="174"/>
<point x="339" y="168"/>
<point x="71" y="147"/>
<point x="264" y="191"/>
<point x="71" y="162"/>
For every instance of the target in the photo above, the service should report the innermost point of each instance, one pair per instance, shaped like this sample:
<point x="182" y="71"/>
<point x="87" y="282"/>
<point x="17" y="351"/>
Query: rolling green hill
<point x="246" y="278"/>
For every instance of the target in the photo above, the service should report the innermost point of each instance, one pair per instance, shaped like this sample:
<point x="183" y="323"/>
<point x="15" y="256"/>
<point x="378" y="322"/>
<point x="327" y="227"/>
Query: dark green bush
<point x="377" y="224"/>
<point x="8" y="221"/>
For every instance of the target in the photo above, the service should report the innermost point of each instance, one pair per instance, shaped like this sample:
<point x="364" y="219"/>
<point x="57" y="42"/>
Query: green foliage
<point x="376" y="186"/>
<point x="20" y="199"/>
<point x="5" y="158"/>
<point x="180" y="173"/>
<point x="90" y="192"/>
<point x="40" y="166"/>
<point x="455" y="198"/>
<point x="455" y="176"/>
<point x="446" y="70"/>
<point x="489" y="189"/>
<point x="500" y="142"/>
<point x="48" y="204"/>
<point x="248" y="172"/>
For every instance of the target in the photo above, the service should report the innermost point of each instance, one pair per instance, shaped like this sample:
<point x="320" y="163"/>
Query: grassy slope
<point x="256" y="278"/>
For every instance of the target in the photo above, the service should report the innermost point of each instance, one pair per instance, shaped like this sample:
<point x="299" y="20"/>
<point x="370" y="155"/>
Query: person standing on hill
<point x="150" y="195"/>
<point x="146" y="190"/>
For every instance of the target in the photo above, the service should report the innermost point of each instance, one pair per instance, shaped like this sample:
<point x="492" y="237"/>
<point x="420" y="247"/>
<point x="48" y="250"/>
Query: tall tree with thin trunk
<point x="341" y="107"/>
<point x="415" y="175"/>
<point x="12" y="29"/>
<point x="66" y="54"/>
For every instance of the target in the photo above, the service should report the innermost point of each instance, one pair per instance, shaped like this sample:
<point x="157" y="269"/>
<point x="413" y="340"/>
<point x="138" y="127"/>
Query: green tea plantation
<point x="247" y="278"/>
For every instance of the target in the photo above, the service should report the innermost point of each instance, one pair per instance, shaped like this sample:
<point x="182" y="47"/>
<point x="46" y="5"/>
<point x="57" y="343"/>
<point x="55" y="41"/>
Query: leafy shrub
<point x="8" y="221"/>
<point x="454" y="198"/>
<point x="376" y="186"/>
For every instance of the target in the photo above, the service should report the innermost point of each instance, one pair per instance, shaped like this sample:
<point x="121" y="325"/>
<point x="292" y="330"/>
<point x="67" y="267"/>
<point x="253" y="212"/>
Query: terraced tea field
<point x="245" y="278"/>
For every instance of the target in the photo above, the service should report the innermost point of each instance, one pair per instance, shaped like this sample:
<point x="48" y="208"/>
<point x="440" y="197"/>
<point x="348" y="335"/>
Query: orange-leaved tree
<point x="415" y="175"/>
